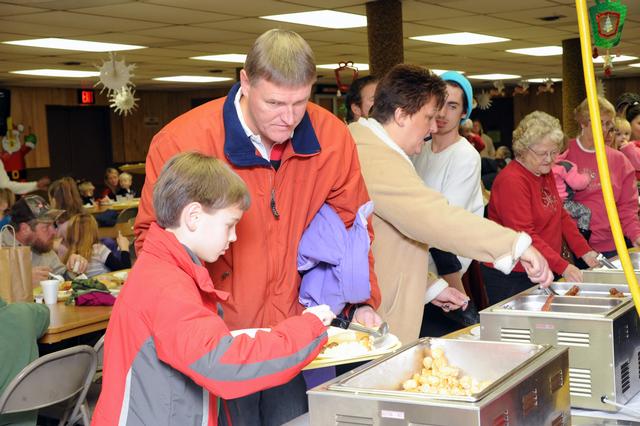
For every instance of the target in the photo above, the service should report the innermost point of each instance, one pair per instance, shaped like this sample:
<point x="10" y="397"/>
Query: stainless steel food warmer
<point x="612" y="276"/>
<point x="529" y="387"/>
<point x="601" y="332"/>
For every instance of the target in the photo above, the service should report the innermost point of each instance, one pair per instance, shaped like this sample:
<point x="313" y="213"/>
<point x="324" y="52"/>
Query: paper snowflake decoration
<point x="123" y="101"/>
<point x="115" y="75"/>
<point x="484" y="100"/>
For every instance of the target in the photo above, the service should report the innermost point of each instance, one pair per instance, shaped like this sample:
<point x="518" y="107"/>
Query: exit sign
<point x="86" y="97"/>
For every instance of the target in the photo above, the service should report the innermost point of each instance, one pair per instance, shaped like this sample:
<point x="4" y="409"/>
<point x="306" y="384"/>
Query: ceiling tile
<point x="191" y="33"/>
<point x="80" y="20"/>
<point x="154" y="13"/>
<point x="244" y="8"/>
<point x="492" y="6"/>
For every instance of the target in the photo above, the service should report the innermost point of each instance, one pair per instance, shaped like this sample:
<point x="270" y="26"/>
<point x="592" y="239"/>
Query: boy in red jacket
<point x="168" y="353"/>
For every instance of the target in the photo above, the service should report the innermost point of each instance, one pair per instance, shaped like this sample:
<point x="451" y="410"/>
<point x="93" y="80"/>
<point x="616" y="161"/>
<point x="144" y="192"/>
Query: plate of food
<point x="346" y="344"/>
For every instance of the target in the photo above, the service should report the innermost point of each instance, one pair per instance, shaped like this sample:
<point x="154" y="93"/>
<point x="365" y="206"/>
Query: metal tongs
<point x="378" y="333"/>
<point x="548" y="291"/>
<point x="606" y="262"/>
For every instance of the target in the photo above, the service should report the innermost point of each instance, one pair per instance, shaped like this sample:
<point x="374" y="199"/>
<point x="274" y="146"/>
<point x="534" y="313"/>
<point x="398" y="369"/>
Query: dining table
<point x="68" y="321"/>
<point x="117" y="206"/>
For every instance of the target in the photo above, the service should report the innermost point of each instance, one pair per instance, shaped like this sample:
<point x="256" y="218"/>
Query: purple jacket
<point x="335" y="261"/>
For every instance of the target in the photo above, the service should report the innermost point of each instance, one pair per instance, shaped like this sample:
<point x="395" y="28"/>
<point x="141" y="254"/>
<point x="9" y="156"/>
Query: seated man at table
<point x="21" y="326"/>
<point x="34" y="223"/>
<point x="168" y="353"/>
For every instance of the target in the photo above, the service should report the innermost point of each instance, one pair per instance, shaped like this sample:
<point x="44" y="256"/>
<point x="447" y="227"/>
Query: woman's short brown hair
<point x="408" y="87"/>
<point x="193" y="177"/>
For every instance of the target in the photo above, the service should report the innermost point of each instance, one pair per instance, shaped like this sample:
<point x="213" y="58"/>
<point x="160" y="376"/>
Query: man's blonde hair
<point x="581" y="112"/>
<point x="281" y="57"/>
<point x="535" y="127"/>
<point x="193" y="177"/>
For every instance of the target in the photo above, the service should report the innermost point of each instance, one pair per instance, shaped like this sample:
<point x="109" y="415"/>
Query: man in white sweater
<point x="451" y="165"/>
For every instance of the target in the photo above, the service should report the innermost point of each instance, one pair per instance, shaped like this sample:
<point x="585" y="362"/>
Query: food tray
<point x="563" y="305"/>
<point x="493" y="361"/>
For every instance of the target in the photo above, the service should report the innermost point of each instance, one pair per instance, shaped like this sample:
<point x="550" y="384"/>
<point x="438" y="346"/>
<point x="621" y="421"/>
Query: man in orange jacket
<point x="294" y="157"/>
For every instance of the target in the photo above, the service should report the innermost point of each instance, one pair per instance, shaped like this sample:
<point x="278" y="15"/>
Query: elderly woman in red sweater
<point x="524" y="197"/>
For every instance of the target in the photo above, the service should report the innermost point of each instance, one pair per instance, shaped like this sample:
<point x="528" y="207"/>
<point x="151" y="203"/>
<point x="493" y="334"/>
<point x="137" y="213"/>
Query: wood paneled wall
<point x="131" y="135"/>
<point x="551" y="103"/>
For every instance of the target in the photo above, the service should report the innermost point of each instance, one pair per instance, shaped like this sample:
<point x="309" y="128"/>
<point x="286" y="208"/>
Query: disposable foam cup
<point x="50" y="291"/>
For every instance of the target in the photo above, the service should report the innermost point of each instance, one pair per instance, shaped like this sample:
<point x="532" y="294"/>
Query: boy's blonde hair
<point x="82" y="234"/>
<point x="193" y="177"/>
<point x="281" y="57"/>
<point x="85" y="186"/>
<point x="125" y="176"/>
<point x="581" y="112"/>
<point x="535" y="127"/>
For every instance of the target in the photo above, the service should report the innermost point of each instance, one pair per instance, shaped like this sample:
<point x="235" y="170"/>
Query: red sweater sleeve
<point x="512" y="201"/>
<point x="632" y="153"/>
<point x="627" y="200"/>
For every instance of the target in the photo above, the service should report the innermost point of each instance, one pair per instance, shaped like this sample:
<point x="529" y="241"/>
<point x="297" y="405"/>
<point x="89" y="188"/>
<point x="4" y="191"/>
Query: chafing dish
<point x="529" y="387"/>
<point x="587" y="289"/>
<point x="602" y="334"/>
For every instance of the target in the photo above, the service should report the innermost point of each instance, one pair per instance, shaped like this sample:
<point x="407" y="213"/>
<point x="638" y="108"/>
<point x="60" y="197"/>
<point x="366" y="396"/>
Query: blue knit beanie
<point x="461" y="80"/>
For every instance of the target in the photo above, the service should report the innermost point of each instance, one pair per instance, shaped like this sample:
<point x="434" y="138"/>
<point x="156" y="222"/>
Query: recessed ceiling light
<point x="192" y="79"/>
<point x="635" y="65"/>
<point x="542" y="80"/>
<point x="494" y="76"/>
<point x="322" y="18"/>
<point x="67" y="44"/>
<point x="58" y="73"/>
<point x="361" y="67"/>
<point x="538" y="51"/>
<point x="460" y="38"/>
<point x="620" y="58"/>
<point x="228" y="57"/>
<point x="440" y="72"/>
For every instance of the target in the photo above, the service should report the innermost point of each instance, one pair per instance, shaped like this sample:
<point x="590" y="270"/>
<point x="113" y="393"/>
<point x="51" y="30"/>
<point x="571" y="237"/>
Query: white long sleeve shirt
<point x="15" y="187"/>
<point x="455" y="173"/>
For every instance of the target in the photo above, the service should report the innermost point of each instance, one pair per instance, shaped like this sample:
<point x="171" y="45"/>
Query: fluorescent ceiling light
<point x="621" y="58"/>
<point x="440" y="72"/>
<point x="228" y="57"/>
<point x="67" y="44"/>
<point x="538" y="51"/>
<point x="322" y="18"/>
<point x="58" y="73"/>
<point x="494" y="76"/>
<point x="192" y="79"/>
<point x="460" y="39"/>
<point x="542" y="80"/>
<point x="361" y="67"/>
<point x="635" y="65"/>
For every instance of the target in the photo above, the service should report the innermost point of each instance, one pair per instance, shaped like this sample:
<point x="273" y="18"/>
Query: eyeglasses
<point x="543" y="155"/>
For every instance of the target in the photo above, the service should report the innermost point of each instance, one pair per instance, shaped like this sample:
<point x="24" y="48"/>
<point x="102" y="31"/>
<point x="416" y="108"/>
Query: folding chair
<point x="54" y="378"/>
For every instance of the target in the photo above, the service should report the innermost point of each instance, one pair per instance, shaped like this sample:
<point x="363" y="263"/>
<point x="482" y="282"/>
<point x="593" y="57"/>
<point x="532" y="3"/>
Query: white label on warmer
<point x="388" y="414"/>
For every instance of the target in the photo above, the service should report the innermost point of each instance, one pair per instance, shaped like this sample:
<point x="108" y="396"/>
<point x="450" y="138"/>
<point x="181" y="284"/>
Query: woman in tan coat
<point x="409" y="216"/>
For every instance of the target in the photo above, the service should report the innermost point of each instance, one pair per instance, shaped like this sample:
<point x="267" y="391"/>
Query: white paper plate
<point x="250" y="331"/>
<point x="339" y="334"/>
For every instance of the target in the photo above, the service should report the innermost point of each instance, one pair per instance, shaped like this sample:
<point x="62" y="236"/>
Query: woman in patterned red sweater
<point x="524" y="197"/>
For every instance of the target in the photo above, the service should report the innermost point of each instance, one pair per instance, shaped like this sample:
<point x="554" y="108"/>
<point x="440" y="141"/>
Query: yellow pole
<point x="603" y="166"/>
